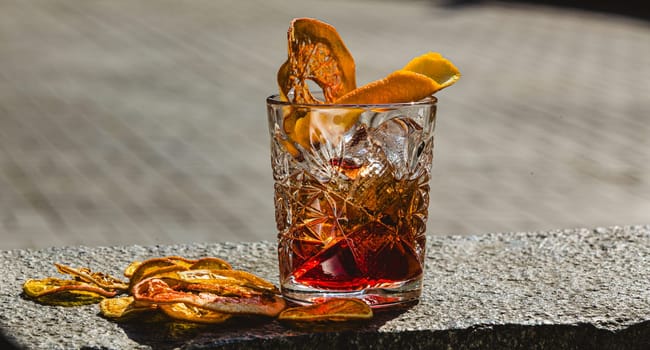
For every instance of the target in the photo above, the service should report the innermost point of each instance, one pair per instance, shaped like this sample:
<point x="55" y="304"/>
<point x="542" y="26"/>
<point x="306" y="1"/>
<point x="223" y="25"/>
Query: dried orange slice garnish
<point x="316" y="53"/>
<point x="421" y="77"/>
<point x="328" y="312"/>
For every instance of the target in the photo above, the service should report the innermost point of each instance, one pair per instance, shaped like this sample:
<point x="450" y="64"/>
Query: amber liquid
<point x="354" y="233"/>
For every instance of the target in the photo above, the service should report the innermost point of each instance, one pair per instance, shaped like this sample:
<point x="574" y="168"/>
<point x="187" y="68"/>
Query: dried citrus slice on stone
<point x="139" y="271"/>
<point x="155" y="267"/>
<point x="230" y="283"/>
<point x="210" y="263"/>
<point x="421" y="77"/>
<point x="157" y="291"/>
<point x="63" y="292"/>
<point x="124" y="308"/>
<point x="316" y="53"/>
<point x="164" y="271"/>
<point x="128" y="272"/>
<point x="184" y="312"/>
<point x="328" y="312"/>
<point x="229" y="277"/>
<point x="100" y="279"/>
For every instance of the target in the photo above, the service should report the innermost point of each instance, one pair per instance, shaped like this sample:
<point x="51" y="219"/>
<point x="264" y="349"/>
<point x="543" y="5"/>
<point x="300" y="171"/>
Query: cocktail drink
<point x="351" y="209"/>
<point x="351" y="169"/>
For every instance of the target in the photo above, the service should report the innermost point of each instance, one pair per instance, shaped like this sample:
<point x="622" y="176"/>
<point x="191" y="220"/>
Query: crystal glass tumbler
<point x="351" y="198"/>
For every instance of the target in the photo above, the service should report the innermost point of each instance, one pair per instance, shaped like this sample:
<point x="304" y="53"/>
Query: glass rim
<point x="427" y="101"/>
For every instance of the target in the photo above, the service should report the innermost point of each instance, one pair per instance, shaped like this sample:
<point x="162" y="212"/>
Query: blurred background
<point x="144" y="122"/>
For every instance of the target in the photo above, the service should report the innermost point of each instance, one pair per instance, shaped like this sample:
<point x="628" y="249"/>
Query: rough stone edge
<point x="503" y="336"/>
<point x="499" y="337"/>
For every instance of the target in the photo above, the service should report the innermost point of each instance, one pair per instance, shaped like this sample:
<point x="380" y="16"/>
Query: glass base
<point x="387" y="296"/>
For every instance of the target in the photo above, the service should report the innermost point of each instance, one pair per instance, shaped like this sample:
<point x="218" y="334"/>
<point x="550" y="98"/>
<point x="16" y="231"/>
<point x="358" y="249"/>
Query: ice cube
<point x="357" y="145"/>
<point x="399" y="139"/>
<point x="353" y="153"/>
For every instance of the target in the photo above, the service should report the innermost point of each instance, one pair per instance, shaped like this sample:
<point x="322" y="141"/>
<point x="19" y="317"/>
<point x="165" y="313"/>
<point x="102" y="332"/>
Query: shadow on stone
<point x="246" y="332"/>
<point x="7" y="344"/>
<point x="570" y="336"/>
<point x="171" y="335"/>
<point x="501" y="337"/>
<point x="271" y="335"/>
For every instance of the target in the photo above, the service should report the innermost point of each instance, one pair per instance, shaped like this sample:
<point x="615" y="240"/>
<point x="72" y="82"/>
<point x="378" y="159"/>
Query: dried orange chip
<point x="179" y="260"/>
<point x="331" y="310"/>
<point x="220" y="282"/>
<point x="155" y="267"/>
<point x="229" y="277"/>
<point x="98" y="278"/>
<point x="72" y="297"/>
<point x="155" y="290"/>
<point x="128" y="272"/>
<point x="216" y="286"/>
<point x="316" y="53"/>
<point x="203" y="263"/>
<point x="170" y="264"/>
<point x="38" y="288"/>
<point x="124" y="308"/>
<point x="56" y="291"/>
<point x="210" y="263"/>
<point x="184" y="312"/>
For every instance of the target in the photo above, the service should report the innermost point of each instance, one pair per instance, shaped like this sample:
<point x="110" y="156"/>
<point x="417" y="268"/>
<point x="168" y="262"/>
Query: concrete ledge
<point x="564" y="289"/>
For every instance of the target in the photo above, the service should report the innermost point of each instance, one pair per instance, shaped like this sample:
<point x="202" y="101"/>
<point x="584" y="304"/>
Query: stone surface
<point x="562" y="289"/>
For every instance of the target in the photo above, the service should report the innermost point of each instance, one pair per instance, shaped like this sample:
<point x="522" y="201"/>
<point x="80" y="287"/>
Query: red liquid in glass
<point x="354" y="234"/>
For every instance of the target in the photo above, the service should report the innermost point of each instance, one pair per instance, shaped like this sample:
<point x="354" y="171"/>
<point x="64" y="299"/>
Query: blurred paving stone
<point x="560" y="289"/>
<point x="139" y="122"/>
